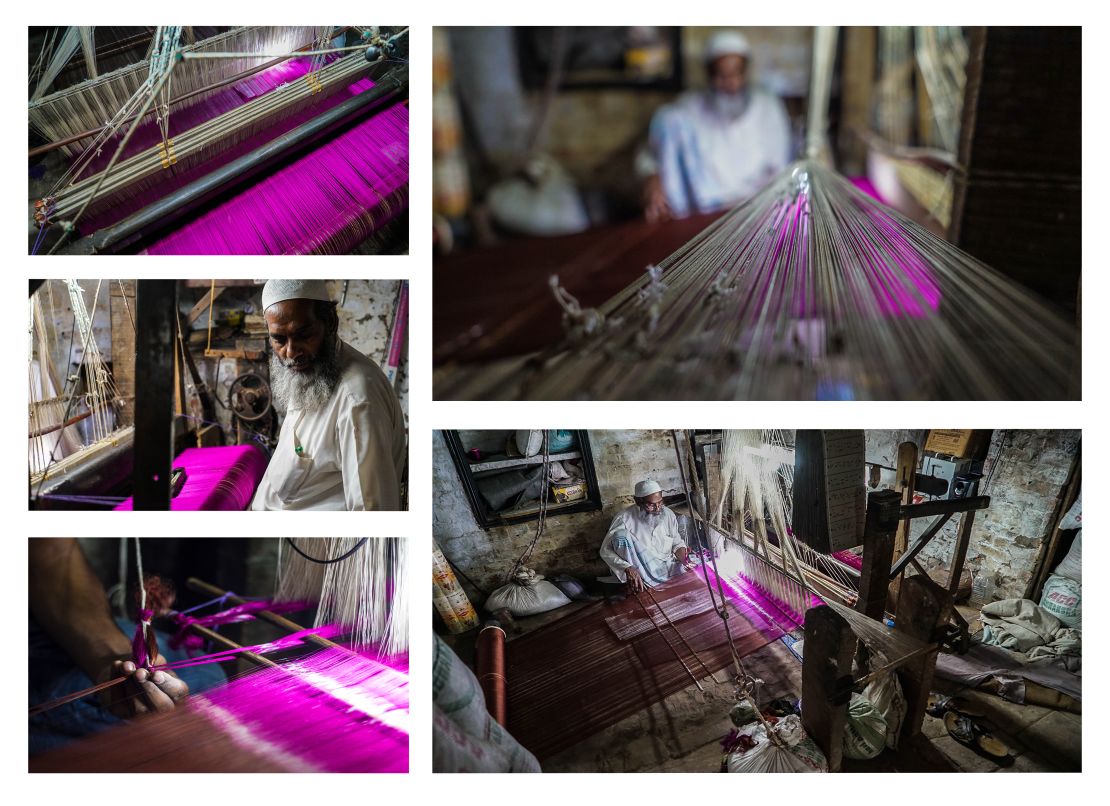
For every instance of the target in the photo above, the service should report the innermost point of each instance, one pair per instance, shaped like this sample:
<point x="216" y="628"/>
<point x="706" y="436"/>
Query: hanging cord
<point x="340" y="558"/>
<point x="545" y="475"/>
<point x="745" y="684"/>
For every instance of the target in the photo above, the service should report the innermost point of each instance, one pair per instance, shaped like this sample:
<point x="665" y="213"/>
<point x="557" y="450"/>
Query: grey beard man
<point x="308" y="388"/>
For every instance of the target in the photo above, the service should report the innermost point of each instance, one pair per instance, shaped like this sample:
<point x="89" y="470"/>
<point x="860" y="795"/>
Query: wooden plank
<point x="959" y="553"/>
<point x="156" y="312"/>
<point x="923" y="609"/>
<point x="202" y="306"/>
<point x="904" y="484"/>
<point x="878" y="550"/>
<point x="827" y="661"/>
<point x="197" y="283"/>
<point x="521" y="461"/>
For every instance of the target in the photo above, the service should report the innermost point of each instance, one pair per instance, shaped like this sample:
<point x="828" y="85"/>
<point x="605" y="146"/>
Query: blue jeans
<point x="52" y="674"/>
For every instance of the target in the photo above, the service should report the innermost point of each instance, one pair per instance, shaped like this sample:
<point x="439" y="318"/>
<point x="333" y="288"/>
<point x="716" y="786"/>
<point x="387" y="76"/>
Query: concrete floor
<point x="682" y="733"/>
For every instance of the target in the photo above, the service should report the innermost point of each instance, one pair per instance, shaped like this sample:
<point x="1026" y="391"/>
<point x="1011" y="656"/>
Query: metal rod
<point x="662" y="635"/>
<point x="201" y="586"/>
<point x="212" y="635"/>
<point x="682" y="637"/>
<point x="235" y="173"/>
<point x="50" y="429"/>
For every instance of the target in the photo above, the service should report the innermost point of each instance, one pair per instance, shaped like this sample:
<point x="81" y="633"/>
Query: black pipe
<point x="183" y="201"/>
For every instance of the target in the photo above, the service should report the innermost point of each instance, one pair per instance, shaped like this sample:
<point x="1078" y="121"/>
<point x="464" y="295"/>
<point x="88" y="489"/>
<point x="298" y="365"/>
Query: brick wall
<point x="1030" y="471"/>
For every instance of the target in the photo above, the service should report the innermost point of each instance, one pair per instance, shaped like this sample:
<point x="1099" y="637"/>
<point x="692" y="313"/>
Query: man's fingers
<point x="153" y="696"/>
<point x="174" y="687"/>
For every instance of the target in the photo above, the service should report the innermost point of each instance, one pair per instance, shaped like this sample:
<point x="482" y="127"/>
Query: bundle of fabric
<point x="1023" y="626"/>
<point x="791" y="749"/>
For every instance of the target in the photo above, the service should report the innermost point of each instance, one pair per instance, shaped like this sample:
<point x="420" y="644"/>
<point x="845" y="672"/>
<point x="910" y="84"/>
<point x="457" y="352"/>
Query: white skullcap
<point x="280" y="290"/>
<point x="727" y="43"/>
<point x="647" y="487"/>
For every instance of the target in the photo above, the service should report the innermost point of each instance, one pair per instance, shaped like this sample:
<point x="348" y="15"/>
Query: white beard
<point x="730" y="106"/>
<point x="305" y="390"/>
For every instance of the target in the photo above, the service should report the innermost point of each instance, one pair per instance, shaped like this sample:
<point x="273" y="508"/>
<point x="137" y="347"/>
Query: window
<point x="501" y="472"/>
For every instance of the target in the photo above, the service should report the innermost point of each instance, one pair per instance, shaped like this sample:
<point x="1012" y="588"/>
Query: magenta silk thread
<point x="222" y="478"/>
<point x="327" y="201"/>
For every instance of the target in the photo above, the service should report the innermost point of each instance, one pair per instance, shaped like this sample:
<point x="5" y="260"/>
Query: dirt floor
<point x="683" y="732"/>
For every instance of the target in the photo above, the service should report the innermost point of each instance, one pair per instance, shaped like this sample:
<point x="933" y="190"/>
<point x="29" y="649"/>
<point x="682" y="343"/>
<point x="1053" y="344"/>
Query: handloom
<point x="844" y="605"/>
<point x="333" y="710"/>
<point x="227" y="109"/>
<point x="74" y="417"/>
<point x="809" y="290"/>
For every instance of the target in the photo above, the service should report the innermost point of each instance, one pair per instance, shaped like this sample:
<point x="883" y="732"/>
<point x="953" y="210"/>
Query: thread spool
<point x="491" y="669"/>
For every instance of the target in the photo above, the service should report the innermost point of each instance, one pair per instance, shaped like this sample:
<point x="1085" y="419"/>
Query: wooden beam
<point x="202" y="306"/>
<point x="826" y="666"/>
<point x="959" y="553"/>
<point x="156" y="312"/>
<point x="878" y="550"/>
<point x="923" y="609"/>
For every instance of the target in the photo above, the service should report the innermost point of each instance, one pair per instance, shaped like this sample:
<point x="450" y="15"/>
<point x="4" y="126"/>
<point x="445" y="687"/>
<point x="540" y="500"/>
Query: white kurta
<point x="352" y="448"/>
<point x="633" y="541"/>
<point x="707" y="162"/>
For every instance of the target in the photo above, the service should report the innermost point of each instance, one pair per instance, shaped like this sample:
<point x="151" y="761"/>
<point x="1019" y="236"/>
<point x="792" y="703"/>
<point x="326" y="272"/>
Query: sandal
<point x="939" y="705"/>
<point x="972" y="735"/>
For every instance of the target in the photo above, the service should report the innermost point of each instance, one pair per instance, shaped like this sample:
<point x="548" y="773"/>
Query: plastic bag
<point x="527" y="595"/>
<point x="1063" y="598"/>
<point x="865" y="730"/>
<point x="801" y="753"/>
<point x="1074" y="517"/>
<point x="1072" y="565"/>
<point x="885" y="693"/>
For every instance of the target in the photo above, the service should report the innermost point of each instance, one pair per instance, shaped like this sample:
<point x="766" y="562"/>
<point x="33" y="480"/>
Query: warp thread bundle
<point x="813" y="290"/>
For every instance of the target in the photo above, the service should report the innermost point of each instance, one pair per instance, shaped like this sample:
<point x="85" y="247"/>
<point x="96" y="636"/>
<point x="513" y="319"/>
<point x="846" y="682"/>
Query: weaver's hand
<point x="656" y="208"/>
<point x="635" y="582"/>
<point x="144" y="691"/>
<point x="682" y="554"/>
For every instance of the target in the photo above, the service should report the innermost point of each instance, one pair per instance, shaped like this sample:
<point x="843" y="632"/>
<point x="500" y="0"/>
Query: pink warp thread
<point x="223" y="478"/>
<point x="332" y="711"/>
<point x="329" y="200"/>
<point x="235" y="615"/>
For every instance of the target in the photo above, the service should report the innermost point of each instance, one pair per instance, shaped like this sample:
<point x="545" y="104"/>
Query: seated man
<point x="342" y="442"/>
<point x="712" y="149"/>
<point x="644" y="546"/>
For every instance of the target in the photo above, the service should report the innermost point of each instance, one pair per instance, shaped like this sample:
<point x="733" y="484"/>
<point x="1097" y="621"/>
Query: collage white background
<point x="420" y="786"/>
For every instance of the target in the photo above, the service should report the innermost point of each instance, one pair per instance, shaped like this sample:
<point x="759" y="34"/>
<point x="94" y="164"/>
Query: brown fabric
<point x="502" y="293"/>
<point x="575" y="677"/>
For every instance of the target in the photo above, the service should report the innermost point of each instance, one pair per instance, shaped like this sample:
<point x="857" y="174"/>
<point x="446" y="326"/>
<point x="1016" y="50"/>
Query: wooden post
<point x="156" y="317"/>
<point x="826" y="666"/>
<point x="904" y="484"/>
<point x="857" y="80"/>
<point x="959" y="553"/>
<point x="879" y="530"/>
<point x="923" y="610"/>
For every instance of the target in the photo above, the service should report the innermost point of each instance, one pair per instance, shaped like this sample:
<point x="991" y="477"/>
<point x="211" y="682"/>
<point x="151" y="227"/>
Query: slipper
<point x="973" y="736"/>
<point x="939" y="705"/>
